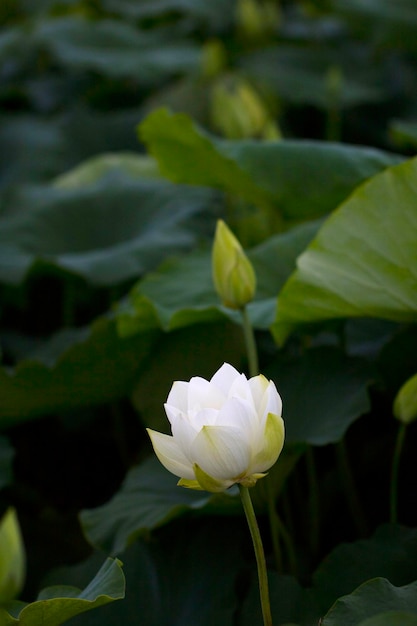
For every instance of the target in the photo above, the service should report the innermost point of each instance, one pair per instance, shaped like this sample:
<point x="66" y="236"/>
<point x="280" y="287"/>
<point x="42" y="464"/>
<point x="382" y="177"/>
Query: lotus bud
<point x="233" y="275"/>
<point x="405" y="403"/>
<point x="12" y="557"/>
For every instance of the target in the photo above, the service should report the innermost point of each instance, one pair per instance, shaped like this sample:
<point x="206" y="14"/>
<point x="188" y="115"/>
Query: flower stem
<point x="253" y="365"/>
<point x="259" y="553"/>
<point x="273" y="524"/>
<point x="394" y="474"/>
<point x="350" y="489"/>
<point x="250" y="343"/>
<point x="314" y="501"/>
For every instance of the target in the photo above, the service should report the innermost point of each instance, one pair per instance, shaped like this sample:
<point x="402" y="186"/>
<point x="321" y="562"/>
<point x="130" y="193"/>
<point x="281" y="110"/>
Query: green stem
<point x="259" y="553"/>
<point x="350" y="489"/>
<point x="250" y="343"/>
<point x="289" y="545"/>
<point x="313" y="501"/>
<point x="394" y="473"/>
<point x="253" y="365"/>
<point x="274" y="523"/>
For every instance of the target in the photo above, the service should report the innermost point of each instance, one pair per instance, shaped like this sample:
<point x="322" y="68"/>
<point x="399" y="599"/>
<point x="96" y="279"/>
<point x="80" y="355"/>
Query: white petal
<point x="184" y="433"/>
<point x="239" y="413"/>
<point x="202" y="394"/>
<point x="240" y="388"/>
<point x="171" y="455"/>
<point x="258" y="386"/>
<point x="224" y="377"/>
<point x="221" y="452"/>
<point x="172" y="412"/>
<point x="205" y="417"/>
<point x="272" y="400"/>
<point x="178" y="396"/>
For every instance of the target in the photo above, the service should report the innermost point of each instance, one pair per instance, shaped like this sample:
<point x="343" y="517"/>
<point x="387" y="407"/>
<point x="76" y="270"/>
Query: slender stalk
<point x="253" y="363"/>
<point x="350" y="489"/>
<point x="250" y="343"/>
<point x="287" y="535"/>
<point x="394" y="473"/>
<point x="259" y="553"/>
<point x="274" y="524"/>
<point x="289" y="545"/>
<point x="313" y="501"/>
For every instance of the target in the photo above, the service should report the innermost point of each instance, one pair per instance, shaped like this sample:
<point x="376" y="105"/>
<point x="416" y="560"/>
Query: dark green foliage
<point x="127" y="128"/>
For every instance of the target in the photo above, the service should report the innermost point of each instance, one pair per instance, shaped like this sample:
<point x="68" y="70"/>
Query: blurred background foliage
<point x="127" y="128"/>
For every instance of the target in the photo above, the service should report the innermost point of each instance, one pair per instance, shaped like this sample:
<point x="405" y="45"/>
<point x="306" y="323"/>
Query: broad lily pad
<point x="303" y="75"/>
<point x="371" y="599"/>
<point x="179" y="582"/>
<point x="81" y="367"/>
<point x="213" y="14"/>
<point x="117" y="49"/>
<point x="391" y="553"/>
<point x="265" y="173"/>
<point x="56" y="605"/>
<point x="363" y="262"/>
<point x="181" y="291"/>
<point x="148" y="498"/>
<point x="76" y="230"/>
<point x="88" y="172"/>
<point x="336" y="387"/>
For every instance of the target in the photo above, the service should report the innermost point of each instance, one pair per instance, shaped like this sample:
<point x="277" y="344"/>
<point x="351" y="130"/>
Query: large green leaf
<point x="107" y="232"/>
<point x="117" y="49"/>
<point x="215" y="14"/>
<point x="290" y="602"/>
<point x="303" y="74"/>
<point x="323" y="392"/>
<point x="404" y="133"/>
<point x="371" y="599"/>
<point x="61" y="141"/>
<point x="265" y="173"/>
<point x="199" y="349"/>
<point x="363" y="262"/>
<point x="391" y="553"/>
<point x="391" y="618"/>
<point x="148" y="498"/>
<point x="56" y="605"/>
<point x="181" y="291"/>
<point x="185" y="578"/>
<point x="385" y="21"/>
<point x="86" y="366"/>
<point x="88" y="172"/>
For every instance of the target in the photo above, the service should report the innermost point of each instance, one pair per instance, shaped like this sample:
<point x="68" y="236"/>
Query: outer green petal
<point x="208" y="483"/>
<point x="273" y="439"/>
<point x="170" y="455"/>
<point x="189" y="484"/>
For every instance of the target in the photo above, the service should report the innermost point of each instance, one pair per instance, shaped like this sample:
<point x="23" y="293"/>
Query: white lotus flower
<point x="224" y="431"/>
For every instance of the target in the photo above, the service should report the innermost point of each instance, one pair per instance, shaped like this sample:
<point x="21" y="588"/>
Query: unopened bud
<point x="233" y="275"/>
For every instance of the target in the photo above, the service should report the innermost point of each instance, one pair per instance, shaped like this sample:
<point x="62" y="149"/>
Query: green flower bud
<point x="233" y="275"/>
<point x="12" y="557"/>
<point x="405" y="403"/>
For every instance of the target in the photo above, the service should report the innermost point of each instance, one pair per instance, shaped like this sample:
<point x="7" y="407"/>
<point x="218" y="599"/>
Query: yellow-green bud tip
<point x="12" y="557"/>
<point x="405" y="403"/>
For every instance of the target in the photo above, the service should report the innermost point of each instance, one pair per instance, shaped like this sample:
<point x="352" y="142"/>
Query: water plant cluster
<point x="129" y="130"/>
